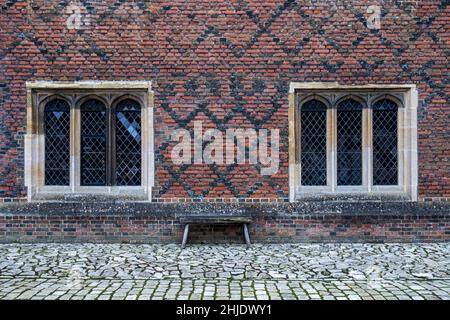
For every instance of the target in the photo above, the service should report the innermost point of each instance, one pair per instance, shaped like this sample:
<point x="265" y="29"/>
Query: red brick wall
<point x="280" y="222"/>
<point x="229" y="64"/>
<point x="167" y="229"/>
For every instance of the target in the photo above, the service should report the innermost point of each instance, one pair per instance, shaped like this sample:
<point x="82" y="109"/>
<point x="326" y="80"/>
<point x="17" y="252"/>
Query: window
<point x="349" y="143"/>
<point x="94" y="138"/>
<point x="110" y="144"/>
<point x="128" y="143"/>
<point x="57" y="142"/>
<point x="385" y="153"/>
<point x="87" y="138"/>
<point x="314" y="143"/>
<point x="353" y="141"/>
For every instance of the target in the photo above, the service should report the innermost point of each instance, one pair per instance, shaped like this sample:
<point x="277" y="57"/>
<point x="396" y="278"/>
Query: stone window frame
<point x="404" y="95"/>
<point x="110" y="92"/>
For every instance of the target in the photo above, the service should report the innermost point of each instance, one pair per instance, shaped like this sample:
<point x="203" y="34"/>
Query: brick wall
<point x="152" y="229"/>
<point x="229" y="64"/>
<point x="160" y="223"/>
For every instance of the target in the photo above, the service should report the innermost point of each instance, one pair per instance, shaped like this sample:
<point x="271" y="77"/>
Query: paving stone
<point x="282" y="271"/>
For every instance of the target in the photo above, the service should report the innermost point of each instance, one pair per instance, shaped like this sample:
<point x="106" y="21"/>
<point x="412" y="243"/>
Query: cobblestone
<point x="283" y="271"/>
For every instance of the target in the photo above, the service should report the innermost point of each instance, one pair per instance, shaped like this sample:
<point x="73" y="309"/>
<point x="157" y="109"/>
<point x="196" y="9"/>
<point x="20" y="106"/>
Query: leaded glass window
<point x="314" y="143"/>
<point x="89" y="138"/>
<point x="331" y="143"/>
<point x="349" y="143"/>
<point x="385" y="155"/>
<point x="93" y="143"/>
<point x="57" y="142"/>
<point x="128" y="143"/>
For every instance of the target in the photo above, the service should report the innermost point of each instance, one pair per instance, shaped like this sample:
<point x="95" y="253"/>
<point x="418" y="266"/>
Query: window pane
<point x="349" y="143"/>
<point x="314" y="143"/>
<point x="93" y="143"/>
<point x="128" y="143"/>
<point x="385" y="143"/>
<point x="57" y="143"/>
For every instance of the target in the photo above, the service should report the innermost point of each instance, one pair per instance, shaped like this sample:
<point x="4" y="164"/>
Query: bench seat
<point x="215" y="219"/>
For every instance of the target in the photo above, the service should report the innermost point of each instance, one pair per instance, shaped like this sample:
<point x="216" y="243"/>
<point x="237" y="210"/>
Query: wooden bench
<point x="187" y="220"/>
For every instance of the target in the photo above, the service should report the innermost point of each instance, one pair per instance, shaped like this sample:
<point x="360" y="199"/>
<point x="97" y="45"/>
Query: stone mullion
<point x="75" y="147"/>
<point x="294" y="145"/>
<point x="367" y="148"/>
<point x="147" y="155"/>
<point x="331" y="148"/>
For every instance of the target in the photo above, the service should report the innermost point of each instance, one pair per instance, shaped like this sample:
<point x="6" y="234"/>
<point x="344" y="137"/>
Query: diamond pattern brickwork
<point x="228" y="63"/>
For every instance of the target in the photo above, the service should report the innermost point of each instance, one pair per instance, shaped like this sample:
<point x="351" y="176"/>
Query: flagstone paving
<point x="279" y="271"/>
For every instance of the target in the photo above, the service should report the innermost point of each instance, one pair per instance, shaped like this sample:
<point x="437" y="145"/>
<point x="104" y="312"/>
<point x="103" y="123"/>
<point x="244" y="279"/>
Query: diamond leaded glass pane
<point x="349" y="143"/>
<point x="57" y="143"/>
<point x="93" y="143"/>
<point x="314" y="143"/>
<point x="128" y="143"/>
<point x="385" y="154"/>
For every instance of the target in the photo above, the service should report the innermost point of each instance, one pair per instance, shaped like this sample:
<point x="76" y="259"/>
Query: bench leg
<point x="185" y="236"/>
<point x="246" y="235"/>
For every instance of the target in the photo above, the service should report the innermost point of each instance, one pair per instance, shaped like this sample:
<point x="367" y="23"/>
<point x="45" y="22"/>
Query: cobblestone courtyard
<point x="288" y="271"/>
